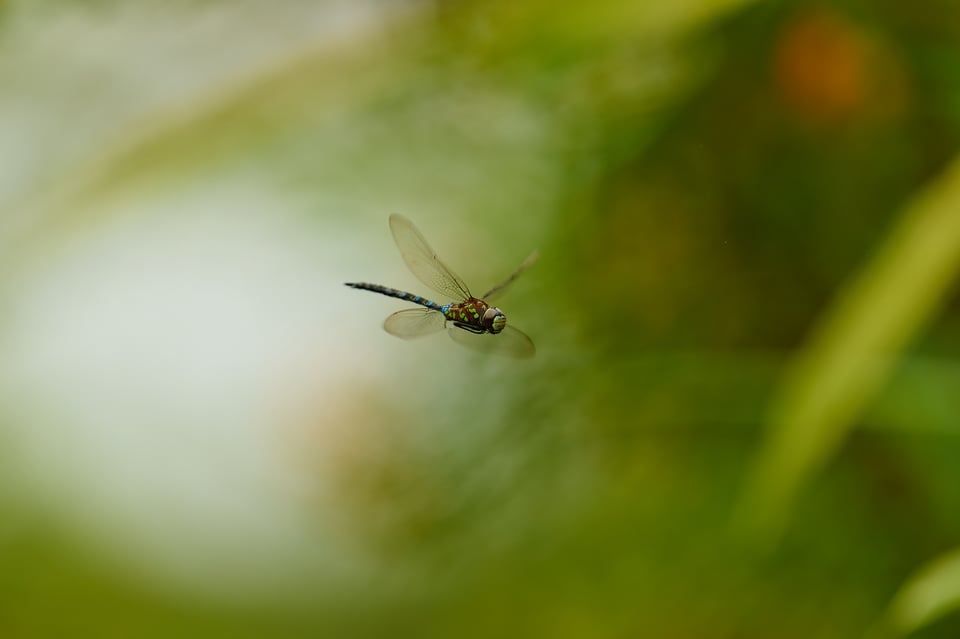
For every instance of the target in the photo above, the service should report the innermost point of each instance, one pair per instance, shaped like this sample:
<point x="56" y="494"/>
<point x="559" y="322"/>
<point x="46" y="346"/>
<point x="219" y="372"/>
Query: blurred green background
<point x="743" y="419"/>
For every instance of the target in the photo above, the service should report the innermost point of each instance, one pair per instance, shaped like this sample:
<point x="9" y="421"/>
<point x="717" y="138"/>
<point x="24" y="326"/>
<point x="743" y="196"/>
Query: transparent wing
<point x="423" y="262"/>
<point x="510" y="341"/>
<point x="414" y="322"/>
<point x="496" y="290"/>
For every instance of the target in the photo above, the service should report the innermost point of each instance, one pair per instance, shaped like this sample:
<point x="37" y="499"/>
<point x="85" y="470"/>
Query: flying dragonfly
<point x="472" y="321"/>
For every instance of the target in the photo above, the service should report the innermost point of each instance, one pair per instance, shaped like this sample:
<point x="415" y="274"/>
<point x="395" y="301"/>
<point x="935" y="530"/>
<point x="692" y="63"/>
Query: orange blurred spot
<point x="828" y="69"/>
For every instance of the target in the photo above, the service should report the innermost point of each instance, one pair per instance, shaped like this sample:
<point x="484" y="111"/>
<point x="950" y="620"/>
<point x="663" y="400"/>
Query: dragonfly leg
<point x="470" y="328"/>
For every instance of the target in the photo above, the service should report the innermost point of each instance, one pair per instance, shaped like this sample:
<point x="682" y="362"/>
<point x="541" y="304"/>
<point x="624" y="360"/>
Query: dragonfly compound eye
<point x="494" y="319"/>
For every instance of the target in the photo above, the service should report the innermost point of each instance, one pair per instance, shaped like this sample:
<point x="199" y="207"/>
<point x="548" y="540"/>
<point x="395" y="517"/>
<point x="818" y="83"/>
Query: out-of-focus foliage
<point x="742" y="417"/>
<point x="859" y="343"/>
<point x="932" y="592"/>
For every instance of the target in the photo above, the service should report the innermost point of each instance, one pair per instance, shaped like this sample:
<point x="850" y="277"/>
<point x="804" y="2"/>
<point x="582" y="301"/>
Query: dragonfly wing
<point x="423" y="262"/>
<point x="414" y="322"/>
<point x="510" y="341"/>
<point x="496" y="290"/>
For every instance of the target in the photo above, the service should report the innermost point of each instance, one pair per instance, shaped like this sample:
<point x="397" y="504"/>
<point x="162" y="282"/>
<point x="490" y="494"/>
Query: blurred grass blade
<point x="929" y="594"/>
<point x="210" y="114"/>
<point x="852" y="351"/>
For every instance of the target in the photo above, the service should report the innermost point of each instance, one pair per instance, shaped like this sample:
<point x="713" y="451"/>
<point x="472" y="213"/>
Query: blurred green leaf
<point x="928" y="595"/>
<point x="853" y="350"/>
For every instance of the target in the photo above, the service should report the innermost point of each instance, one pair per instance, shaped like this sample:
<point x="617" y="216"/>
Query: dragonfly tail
<point x="392" y="292"/>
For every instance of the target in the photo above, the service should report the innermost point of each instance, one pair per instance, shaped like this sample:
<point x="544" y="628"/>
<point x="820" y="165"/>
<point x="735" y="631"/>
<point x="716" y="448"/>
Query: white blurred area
<point x="162" y="371"/>
<point x="82" y="82"/>
<point x="179" y="372"/>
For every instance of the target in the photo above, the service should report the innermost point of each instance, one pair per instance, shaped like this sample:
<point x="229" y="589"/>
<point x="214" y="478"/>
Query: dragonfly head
<point x="494" y="320"/>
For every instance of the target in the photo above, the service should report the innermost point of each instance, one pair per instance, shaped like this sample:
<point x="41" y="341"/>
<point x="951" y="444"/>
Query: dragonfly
<point x="471" y="321"/>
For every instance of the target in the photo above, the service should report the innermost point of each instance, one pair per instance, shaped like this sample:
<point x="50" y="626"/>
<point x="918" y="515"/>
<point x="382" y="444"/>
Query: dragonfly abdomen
<point x="392" y="292"/>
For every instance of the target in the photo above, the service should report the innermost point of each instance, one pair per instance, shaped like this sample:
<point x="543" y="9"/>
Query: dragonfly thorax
<point x="476" y="316"/>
